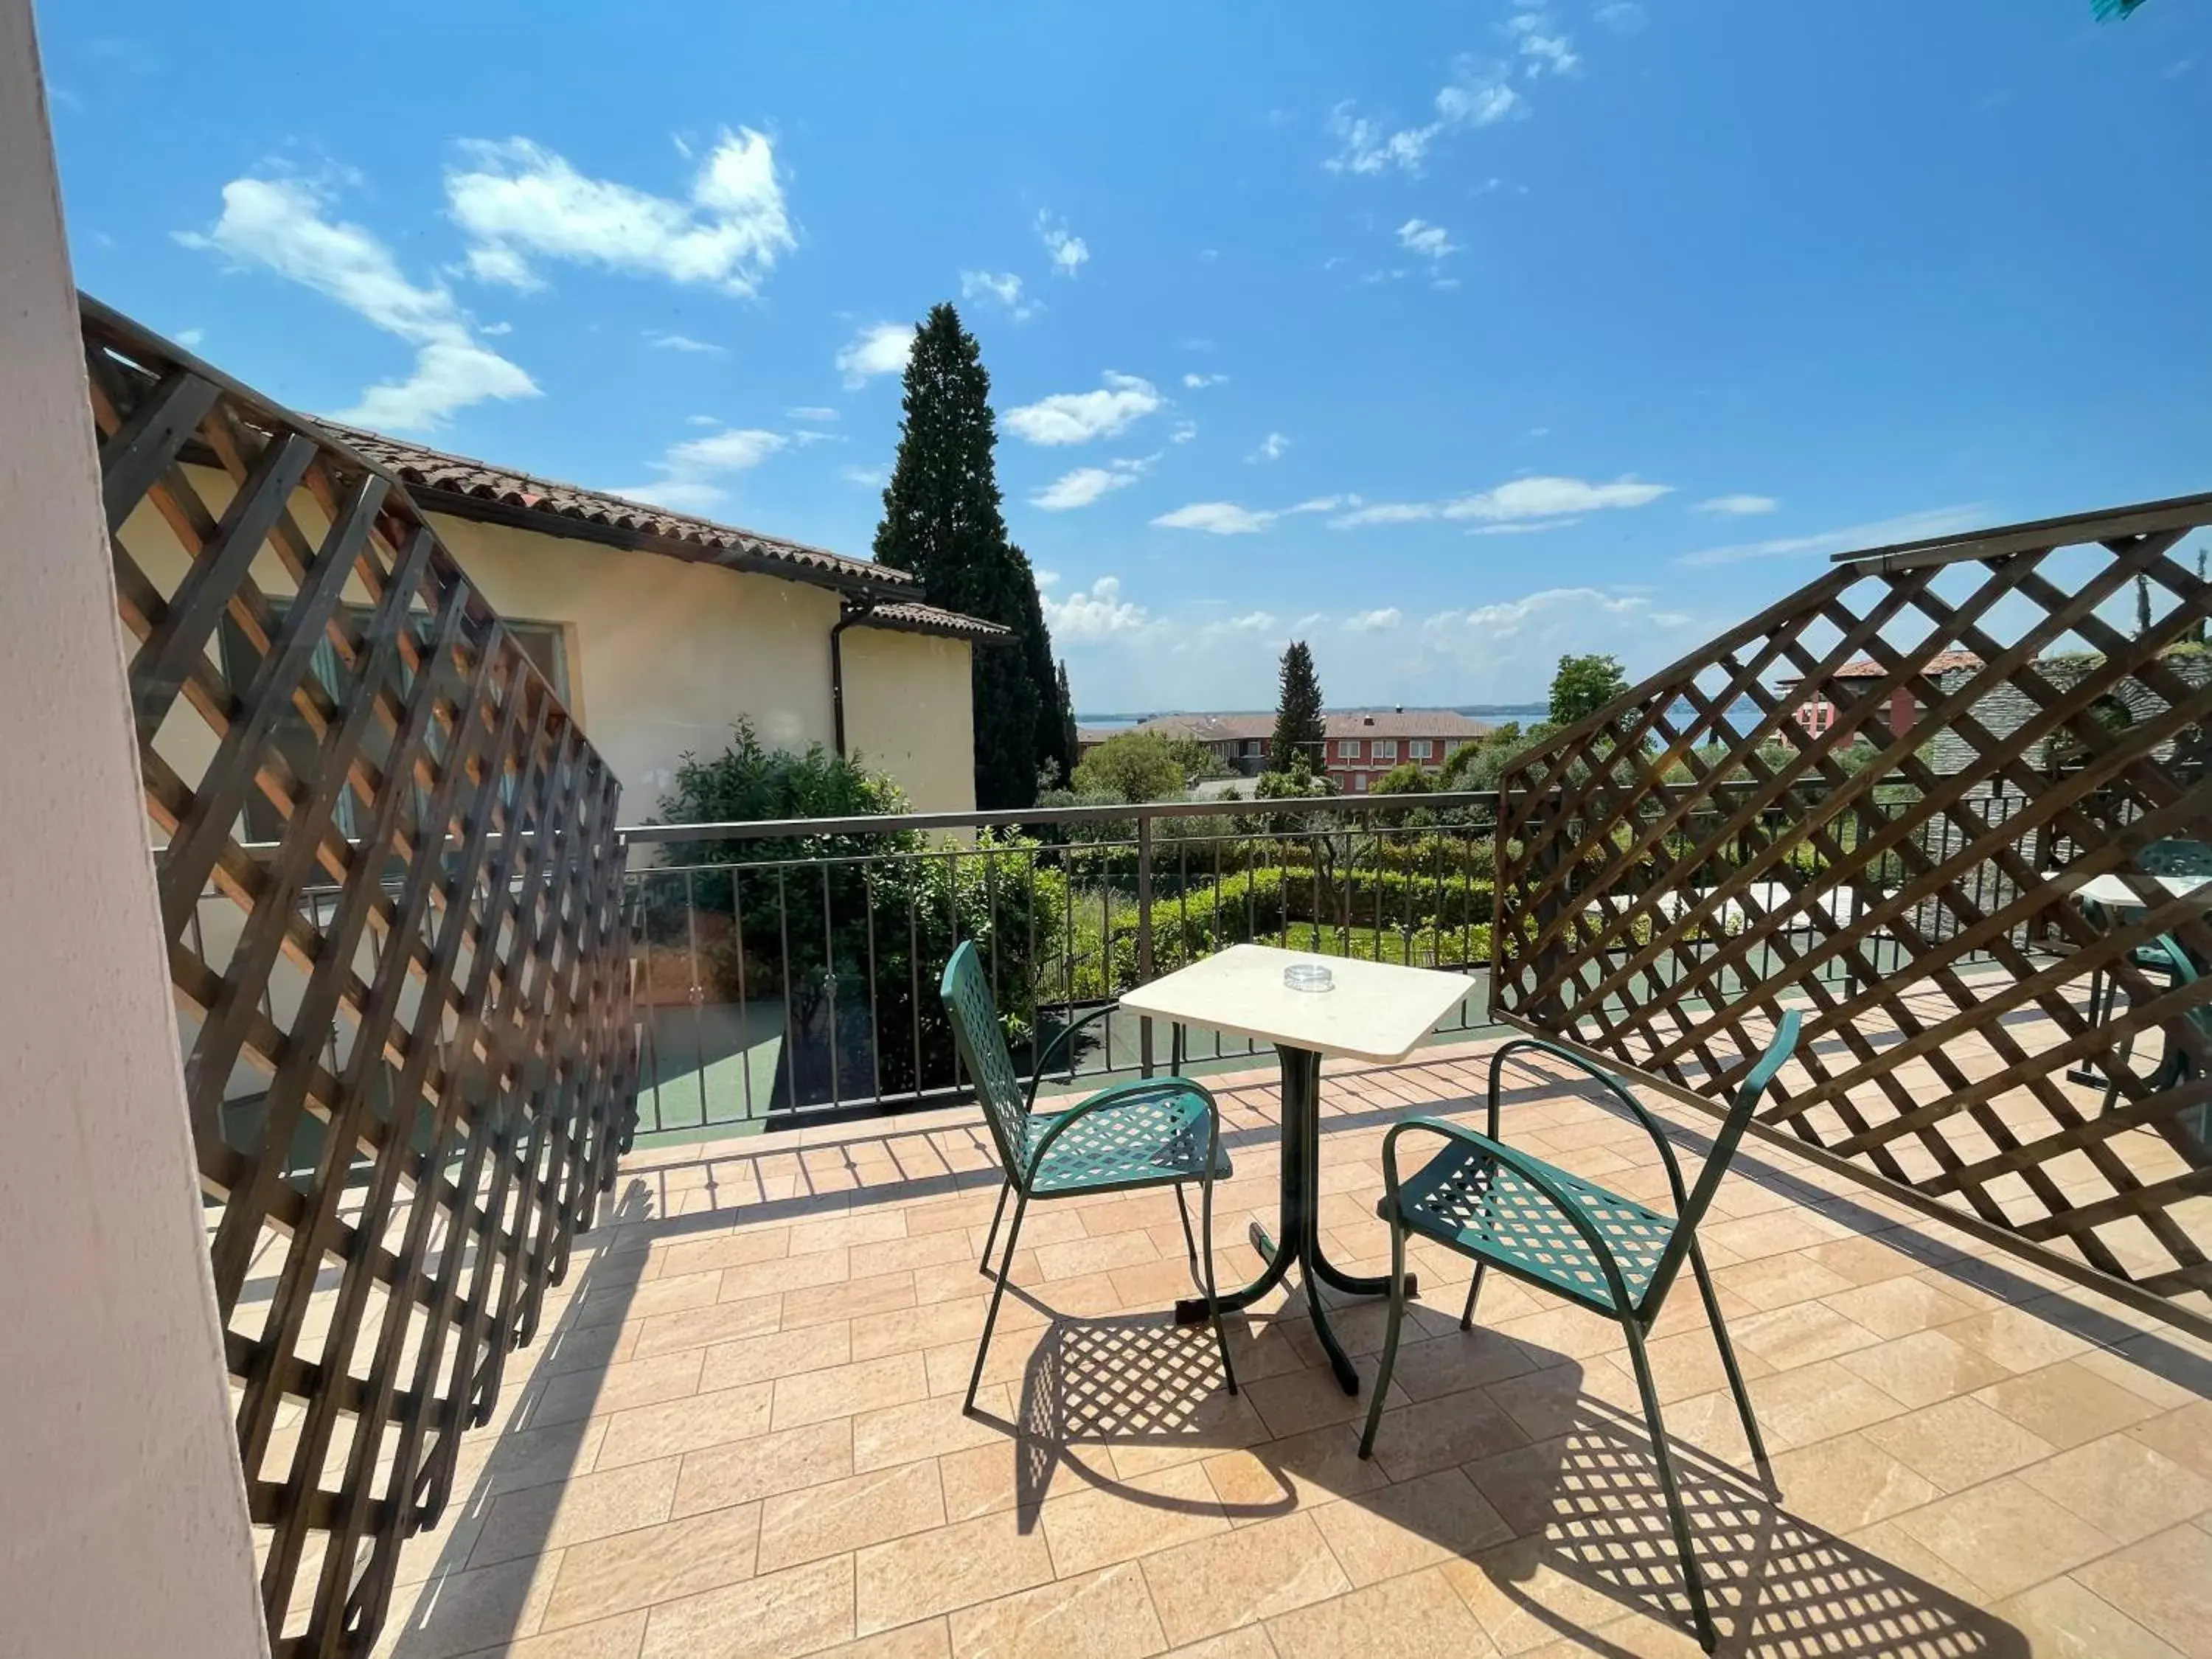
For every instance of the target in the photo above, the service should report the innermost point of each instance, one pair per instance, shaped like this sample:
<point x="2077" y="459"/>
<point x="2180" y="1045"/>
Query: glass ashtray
<point x="1309" y="976"/>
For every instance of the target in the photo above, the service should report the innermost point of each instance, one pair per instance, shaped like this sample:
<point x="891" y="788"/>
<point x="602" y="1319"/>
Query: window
<point x="1386" y="749"/>
<point x="1252" y="746"/>
<point x="1419" y="749"/>
<point x="1359" y="783"/>
<point x="1347" y="749"/>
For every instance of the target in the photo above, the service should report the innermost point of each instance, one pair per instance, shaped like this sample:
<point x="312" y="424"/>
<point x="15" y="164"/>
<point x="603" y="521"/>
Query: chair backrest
<point x="982" y="1046"/>
<point x="1717" y="1161"/>
<point x="2175" y="857"/>
<point x="2184" y="973"/>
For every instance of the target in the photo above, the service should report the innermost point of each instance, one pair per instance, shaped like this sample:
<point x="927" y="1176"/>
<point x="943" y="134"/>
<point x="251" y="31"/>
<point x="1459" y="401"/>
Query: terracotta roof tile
<point x="1866" y="668"/>
<point x="906" y="618"/>
<point x="450" y="483"/>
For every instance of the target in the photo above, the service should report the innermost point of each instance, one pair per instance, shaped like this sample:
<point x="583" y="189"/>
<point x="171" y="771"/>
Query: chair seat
<point x="1468" y="1199"/>
<point x="1156" y="1136"/>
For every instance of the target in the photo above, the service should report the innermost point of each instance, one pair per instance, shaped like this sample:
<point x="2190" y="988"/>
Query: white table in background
<point x="1374" y="1011"/>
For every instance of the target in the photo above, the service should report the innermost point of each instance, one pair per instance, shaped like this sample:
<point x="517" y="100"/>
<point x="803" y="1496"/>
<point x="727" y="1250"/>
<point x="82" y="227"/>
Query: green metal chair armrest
<point x="1120" y="1095"/>
<point x="1618" y="1089"/>
<point x="1059" y="1037"/>
<point x="1530" y="1172"/>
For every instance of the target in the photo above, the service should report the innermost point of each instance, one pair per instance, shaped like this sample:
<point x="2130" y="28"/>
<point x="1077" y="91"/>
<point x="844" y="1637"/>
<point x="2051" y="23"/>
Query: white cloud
<point x="520" y="201"/>
<point x="1621" y="16"/>
<point x="1069" y="253"/>
<point x="870" y="477"/>
<point x="1522" y="527"/>
<point x="1906" y="528"/>
<point x="281" y="223"/>
<point x="1546" y="52"/>
<point x="1228" y="518"/>
<point x="1183" y="432"/>
<point x="1047" y="579"/>
<point x="1478" y="96"/>
<point x="1252" y="622"/>
<point x="1006" y="290"/>
<point x="661" y="342"/>
<point x="1374" y="622"/>
<point x="701" y="420"/>
<point x="1521" y="498"/>
<point x="1270" y="448"/>
<point x="1093" y="615"/>
<point x="1200" y="382"/>
<point x="1418" y="236"/>
<point x="1077" y="417"/>
<point x="878" y="348"/>
<point x="1738" y="506"/>
<point x="1087" y="483"/>
<point x="1216" y="519"/>
<point x="693" y="471"/>
<point x="813" y="414"/>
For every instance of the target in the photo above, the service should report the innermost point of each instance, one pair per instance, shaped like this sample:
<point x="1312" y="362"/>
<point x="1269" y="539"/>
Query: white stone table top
<point x="2115" y="890"/>
<point x="1374" y="1011"/>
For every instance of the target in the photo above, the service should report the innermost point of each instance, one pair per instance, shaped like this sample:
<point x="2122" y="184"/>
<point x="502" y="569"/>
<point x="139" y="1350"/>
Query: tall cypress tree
<point x="1299" y="729"/>
<point x="942" y="522"/>
<point x="1070" y="744"/>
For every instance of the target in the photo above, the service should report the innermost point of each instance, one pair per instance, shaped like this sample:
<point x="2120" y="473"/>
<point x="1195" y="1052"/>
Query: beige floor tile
<point x="930" y="1428"/>
<point x="2006" y="1534"/>
<point x="1417" y="1617"/>
<point x="1560" y="1331"/>
<point x="1464" y="1359"/>
<point x="930" y="1639"/>
<point x="1297" y="1401"/>
<point x="1686" y="1364"/>
<point x="1906" y="1558"/>
<point x="574" y="1396"/>
<point x="1810" y="1403"/>
<point x="857" y="1299"/>
<point x="2067" y="1403"/>
<point x="2122" y="1487"/>
<point x="892" y="1254"/>
<point x="844" y="1390"/>
<point x="1402" y="1527"/>
<point x="1848" y="1483"/>
<point x="864" y="1226"/>
<point x="633" y="1569"/>
<point x="1923" y="1368"/>
<point x="796" y="1611"/>
<point x="798" y="1275"/>
<point x="1523" y="1601"/>
<point x="833" y="1516"/>
<point x="1107" y="1613"/>
<point x="1898" y="1307"/>
<point x="1799" y="1335"/>
<point x="1097" y="1527"/>
<point x="2017" y="1338"/>
<point x="1247" y="1642"/>
<point x="543" y="1518"/>
<point x="1778" y="1281"/>
<point x="920" y="1329"/>
<point x="699" y="1327"/>
<point x="459" y="1612"/>
<point x="1243" y="1576"/>
<point x="1262" y="1482"/>
<point x="1442" y="1433"/>
<point x="2065" y="1621"/>
<point x="684" y="1425"/>
<point x="2185" y="1436"/>
<point x="949" y="1568"/>
<point x="632" y="1304"/>
<point x="778" y="1353"/>
<point x="747" y="1470"/>
<point x="618" y="1637"/>
<point x="2165" y="1584"/>
<point x="1959" y="1443"/>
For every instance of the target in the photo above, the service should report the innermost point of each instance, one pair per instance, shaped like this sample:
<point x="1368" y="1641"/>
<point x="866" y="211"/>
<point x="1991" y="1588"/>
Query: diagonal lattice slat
<point x="390" y="887"/>
<point x="1878" y="802"/>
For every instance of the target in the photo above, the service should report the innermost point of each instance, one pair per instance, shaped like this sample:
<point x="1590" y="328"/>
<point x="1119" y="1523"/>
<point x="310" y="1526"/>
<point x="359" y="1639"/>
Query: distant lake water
<point x="1741" y="717"/>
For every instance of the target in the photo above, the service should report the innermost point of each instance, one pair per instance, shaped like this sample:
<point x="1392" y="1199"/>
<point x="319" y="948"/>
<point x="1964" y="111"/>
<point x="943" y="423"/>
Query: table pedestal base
<point x="1299" y="1224"/>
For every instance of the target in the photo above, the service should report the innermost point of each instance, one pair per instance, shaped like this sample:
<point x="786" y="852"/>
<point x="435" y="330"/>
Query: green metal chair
<point x="2176" y="1067"/>
<point x="1572" y="1238"/>
<point x="1157" y="1132"/>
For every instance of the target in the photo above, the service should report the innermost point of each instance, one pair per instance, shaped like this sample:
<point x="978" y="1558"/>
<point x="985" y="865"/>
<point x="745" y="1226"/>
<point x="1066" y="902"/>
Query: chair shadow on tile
<point x="1592" y="1545"/>
<point x="1562" y="1537"/>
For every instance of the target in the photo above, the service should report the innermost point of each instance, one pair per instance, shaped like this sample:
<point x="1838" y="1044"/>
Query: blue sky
<point x="1449" y="337"/>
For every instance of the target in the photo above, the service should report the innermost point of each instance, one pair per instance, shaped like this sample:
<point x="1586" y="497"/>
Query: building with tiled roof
<point x="663" y="628"/>
<point x="1359" y="745"/>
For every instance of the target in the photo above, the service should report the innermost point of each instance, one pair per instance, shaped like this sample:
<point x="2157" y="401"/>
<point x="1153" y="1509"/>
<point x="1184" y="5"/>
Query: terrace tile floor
<point x="742" y="1434"/>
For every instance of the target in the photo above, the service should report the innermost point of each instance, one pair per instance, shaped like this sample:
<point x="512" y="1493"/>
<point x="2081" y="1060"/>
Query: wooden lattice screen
<point x="391" y="887"/>
<point x="1878" y="802"/>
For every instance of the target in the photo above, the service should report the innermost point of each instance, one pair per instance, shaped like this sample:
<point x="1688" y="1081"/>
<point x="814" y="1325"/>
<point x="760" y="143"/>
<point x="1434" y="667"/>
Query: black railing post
<point x="1144" y="933"/>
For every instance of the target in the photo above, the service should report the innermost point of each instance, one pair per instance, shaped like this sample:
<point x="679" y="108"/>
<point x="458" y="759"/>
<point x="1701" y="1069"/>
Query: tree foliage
<point x="1583" y="685"/>
<point x="942" y="523"/>
<point x="1138" y="766"/>
<point x="1298" y="725"/>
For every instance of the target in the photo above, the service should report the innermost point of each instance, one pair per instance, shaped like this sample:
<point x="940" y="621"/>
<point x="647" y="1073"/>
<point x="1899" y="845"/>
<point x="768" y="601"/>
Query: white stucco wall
<point x="122" y="1520"/>
<point x="910" y="711"/>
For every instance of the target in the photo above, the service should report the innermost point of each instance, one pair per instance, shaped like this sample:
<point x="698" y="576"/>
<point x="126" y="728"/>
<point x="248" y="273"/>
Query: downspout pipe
<point x="851" y="611"/>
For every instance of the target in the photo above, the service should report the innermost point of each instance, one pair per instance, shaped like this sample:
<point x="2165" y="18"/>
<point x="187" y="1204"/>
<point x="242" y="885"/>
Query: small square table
<point x="1374" y="1011"/>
